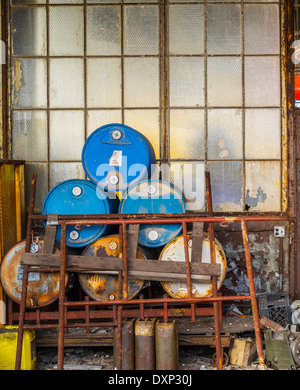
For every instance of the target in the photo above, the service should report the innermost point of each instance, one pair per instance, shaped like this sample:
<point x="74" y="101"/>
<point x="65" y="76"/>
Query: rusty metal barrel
<point x="145" y="344"/>
<point x="174" y="251"/>
<point x="43" y="287"/>
<point x="127" y="344"/>
<point x="105" y="286"/>
<point x="166" y="345"/>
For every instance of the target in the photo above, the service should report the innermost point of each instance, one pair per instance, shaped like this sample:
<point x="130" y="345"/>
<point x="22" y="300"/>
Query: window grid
<point x="164" y="107"/>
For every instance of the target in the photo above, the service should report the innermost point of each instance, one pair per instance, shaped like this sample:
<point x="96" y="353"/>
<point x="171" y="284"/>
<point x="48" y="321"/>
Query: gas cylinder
<point x="145" y="344"/>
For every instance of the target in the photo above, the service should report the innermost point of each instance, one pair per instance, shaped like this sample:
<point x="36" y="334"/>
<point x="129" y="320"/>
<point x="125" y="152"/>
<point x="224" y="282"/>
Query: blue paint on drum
<point x="154" y="197"/>
<point x="115" y="156"/>
<point x="78" y="196"/>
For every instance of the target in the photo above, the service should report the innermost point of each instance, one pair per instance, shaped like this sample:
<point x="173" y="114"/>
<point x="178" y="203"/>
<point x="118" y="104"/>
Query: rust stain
<point x="17" y="80"/>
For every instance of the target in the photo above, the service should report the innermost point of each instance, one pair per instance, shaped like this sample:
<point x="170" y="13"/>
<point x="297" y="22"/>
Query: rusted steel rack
<point x="128" y="233"/>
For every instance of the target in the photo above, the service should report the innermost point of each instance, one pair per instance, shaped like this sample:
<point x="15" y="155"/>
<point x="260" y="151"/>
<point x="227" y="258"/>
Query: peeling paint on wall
<point x="265" y="254"/>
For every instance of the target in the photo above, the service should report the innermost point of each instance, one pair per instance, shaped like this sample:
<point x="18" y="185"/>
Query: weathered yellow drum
<point x="174" y="251"/>
<point x="102" y="287"/>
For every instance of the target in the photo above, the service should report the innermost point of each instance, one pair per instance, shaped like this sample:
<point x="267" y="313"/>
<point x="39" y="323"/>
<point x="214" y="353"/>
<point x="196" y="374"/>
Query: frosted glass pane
<point x="97" y="118"/>
<point x="224" y="29"/>
<point x="226" y="185"/>
<point x="263" y="134"/>
<point x="263" y="185"/>
<point x="66" y="135"/>
<point x="66" y="31"/>
<point x="189" y="179"/>
<point x="66" y="1"/>
<point x="65" y="171"/>
<point x="29" y="31"/>
<point x="187" y="134"/>
<point x="29" y="139"/>
<point x="104" y="82"/>
<point x="103" y="31"/>
<point x="66" y="83"/>
<point x="186" y="81"/>
<point x="103" y="1"/>
<point x="224" y="81"/>
<point x="262" y="29"/>
<point x="186" y="29"/>
<point x="29" y="83"/>
<point x="140" y="1"/>
<point x="262" y="81"/>
<point x="147" y="123"/>
<point x="141" y="30"/>
<point x="19" y="2"/>
<point x="225" y="134"/>
<point x="41" y="169"/>
<point x="141" y="84"/>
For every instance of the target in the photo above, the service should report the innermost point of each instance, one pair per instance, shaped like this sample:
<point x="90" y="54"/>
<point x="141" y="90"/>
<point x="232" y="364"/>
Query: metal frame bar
<point x="124" y="221"/>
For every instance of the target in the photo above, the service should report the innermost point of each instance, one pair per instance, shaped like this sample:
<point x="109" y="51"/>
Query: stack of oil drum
<point x="118" y="162"/>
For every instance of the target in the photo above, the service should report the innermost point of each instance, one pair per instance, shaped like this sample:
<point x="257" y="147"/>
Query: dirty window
<point x="201" y="79"/>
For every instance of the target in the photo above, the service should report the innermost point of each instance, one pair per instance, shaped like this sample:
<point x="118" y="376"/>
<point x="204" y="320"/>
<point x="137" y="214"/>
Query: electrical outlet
<point x="279" y="231"/>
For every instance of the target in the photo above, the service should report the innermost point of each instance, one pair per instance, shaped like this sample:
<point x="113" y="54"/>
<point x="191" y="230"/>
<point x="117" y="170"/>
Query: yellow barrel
<point x="174" y="251"/>
<point x="102" y="287"/>
<point x="43" y="287"/>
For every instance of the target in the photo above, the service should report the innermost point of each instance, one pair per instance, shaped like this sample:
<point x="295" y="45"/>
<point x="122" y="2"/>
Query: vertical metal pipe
<point x="61" y="322"/>
<point x="25" y="274"/>
<point x="125" y="264"/>
<point x="21" y="318"/>
<point x="253" y="297"/>
<point x="211" y="233"/>
<point x="187" y="260"/>
<point x="119" y="338"/>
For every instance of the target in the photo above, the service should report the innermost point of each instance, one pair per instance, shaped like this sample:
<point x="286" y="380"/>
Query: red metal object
<point x="118" y="309"/>
<point x="297" y="87"/>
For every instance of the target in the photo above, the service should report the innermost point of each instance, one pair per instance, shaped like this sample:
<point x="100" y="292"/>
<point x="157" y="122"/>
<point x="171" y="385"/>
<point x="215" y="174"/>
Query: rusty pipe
<point x="253" y="297"/>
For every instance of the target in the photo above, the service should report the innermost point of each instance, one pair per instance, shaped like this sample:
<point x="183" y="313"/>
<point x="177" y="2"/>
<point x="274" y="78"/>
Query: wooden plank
<point x="132" y="240"/>
<point x="197" y="242"/>
<point x="107" y="264"/>
<point x="50" y="234"/>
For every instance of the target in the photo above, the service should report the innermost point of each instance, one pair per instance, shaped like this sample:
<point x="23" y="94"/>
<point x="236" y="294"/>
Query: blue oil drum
<point x="80" y="197"/>
<point x="154" y="197"/>
<point x="115" y="156"/>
